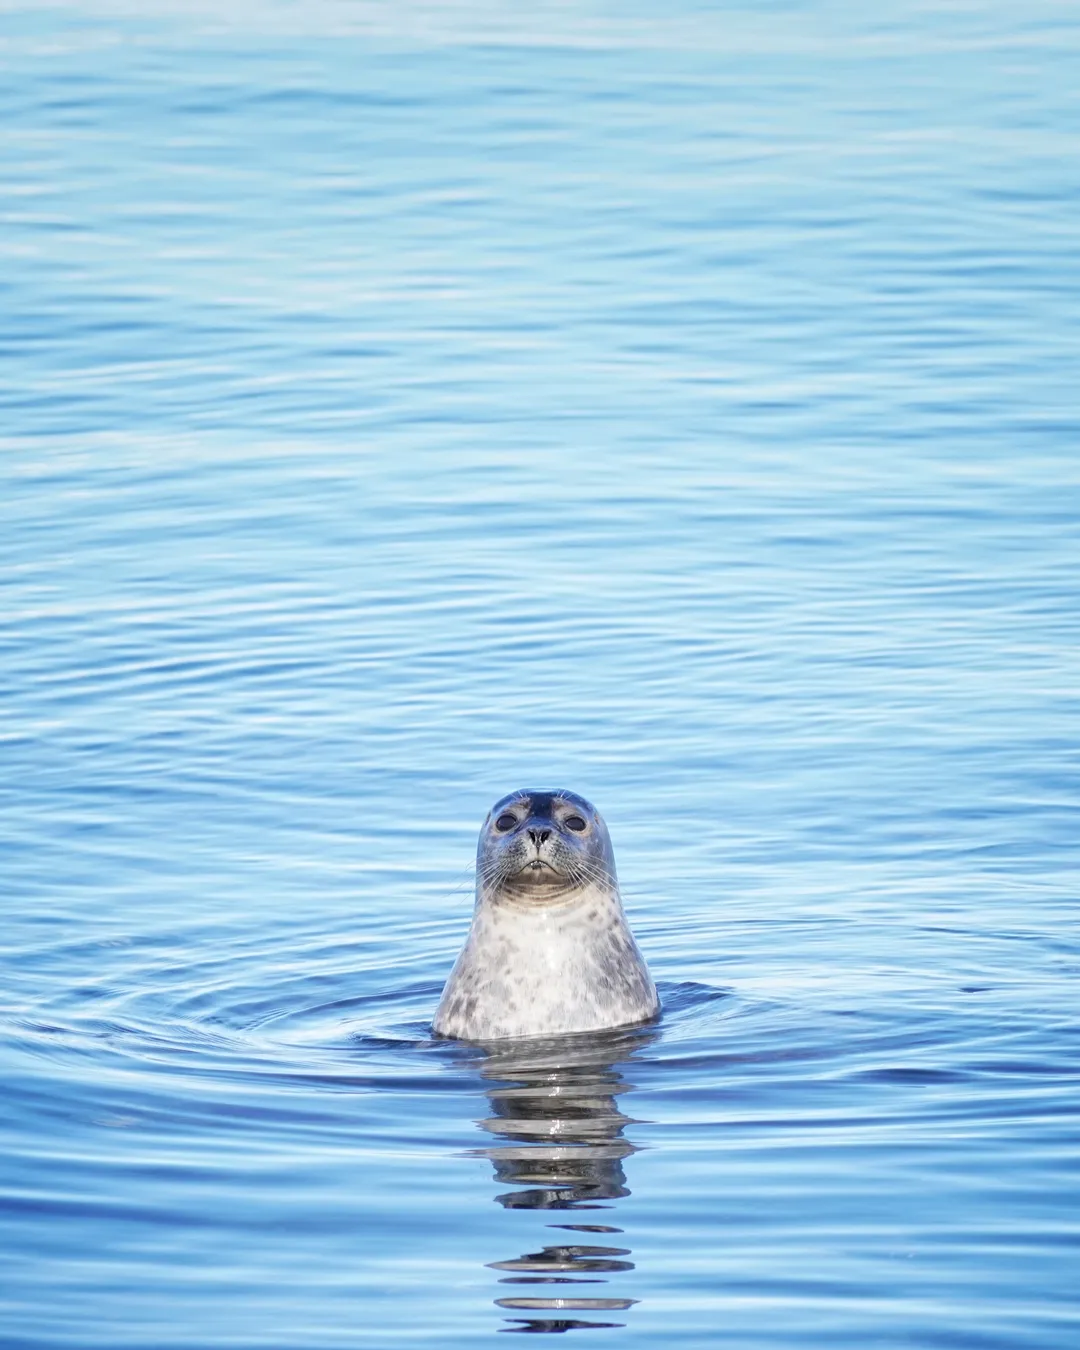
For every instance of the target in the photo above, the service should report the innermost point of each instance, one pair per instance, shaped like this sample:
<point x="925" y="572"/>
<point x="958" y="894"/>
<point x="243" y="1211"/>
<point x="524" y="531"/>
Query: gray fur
<point x="549" y="951"/>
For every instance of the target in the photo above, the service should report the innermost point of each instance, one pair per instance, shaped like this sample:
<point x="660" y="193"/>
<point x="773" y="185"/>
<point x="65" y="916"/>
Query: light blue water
<point x="406" y="404"/>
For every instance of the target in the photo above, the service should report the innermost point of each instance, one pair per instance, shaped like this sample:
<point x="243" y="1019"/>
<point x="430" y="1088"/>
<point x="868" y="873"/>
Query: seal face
<point x="549" y="951"/>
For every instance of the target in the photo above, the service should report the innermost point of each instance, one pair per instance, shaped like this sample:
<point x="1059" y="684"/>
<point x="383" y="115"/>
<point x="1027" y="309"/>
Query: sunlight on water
<point x="406" y="404"/>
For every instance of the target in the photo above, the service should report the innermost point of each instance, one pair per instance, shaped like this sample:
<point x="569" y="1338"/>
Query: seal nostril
<point x="539" y="836"/>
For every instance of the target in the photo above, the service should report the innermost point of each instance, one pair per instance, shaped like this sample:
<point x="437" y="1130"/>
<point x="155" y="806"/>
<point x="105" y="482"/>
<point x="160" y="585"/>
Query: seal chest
<point x="549" y="952"/>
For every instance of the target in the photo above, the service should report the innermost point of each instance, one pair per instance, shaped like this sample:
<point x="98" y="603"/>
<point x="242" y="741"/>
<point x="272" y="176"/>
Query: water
<point x="403" y="405"/>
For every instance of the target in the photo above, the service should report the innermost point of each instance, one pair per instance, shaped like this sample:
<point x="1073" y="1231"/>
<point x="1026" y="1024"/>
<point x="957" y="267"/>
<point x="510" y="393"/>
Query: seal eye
<point x="505" y="822"/>
<point x="575" y="823"/>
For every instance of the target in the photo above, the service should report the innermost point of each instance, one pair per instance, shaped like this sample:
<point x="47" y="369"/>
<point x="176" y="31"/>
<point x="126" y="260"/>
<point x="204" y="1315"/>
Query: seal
<point x="549" y="952"/>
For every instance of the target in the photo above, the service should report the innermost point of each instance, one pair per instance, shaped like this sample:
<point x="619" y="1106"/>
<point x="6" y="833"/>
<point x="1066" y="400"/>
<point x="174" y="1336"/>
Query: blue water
<point x="403" y="404"/>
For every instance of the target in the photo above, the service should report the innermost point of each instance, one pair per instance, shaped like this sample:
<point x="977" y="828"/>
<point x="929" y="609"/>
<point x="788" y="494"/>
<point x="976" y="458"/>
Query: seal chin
<point x="537" y="882"/>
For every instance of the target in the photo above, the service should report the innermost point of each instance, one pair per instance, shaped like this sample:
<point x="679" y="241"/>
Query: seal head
<point x="537" y="848"/>
<point x="549" y="951"/>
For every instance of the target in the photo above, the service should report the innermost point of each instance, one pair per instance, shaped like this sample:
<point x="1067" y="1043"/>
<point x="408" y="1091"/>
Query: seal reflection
<point x="556" y="1112"/>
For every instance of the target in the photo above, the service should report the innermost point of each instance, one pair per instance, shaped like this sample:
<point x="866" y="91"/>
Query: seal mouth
<point x="537" y="881"/>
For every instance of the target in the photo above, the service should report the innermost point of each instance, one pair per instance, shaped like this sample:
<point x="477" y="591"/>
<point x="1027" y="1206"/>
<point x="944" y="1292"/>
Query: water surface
<point x="401" y="407"/>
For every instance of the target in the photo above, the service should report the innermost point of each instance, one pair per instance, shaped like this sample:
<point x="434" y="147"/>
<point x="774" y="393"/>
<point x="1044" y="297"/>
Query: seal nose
<point x="539" y="836"/>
